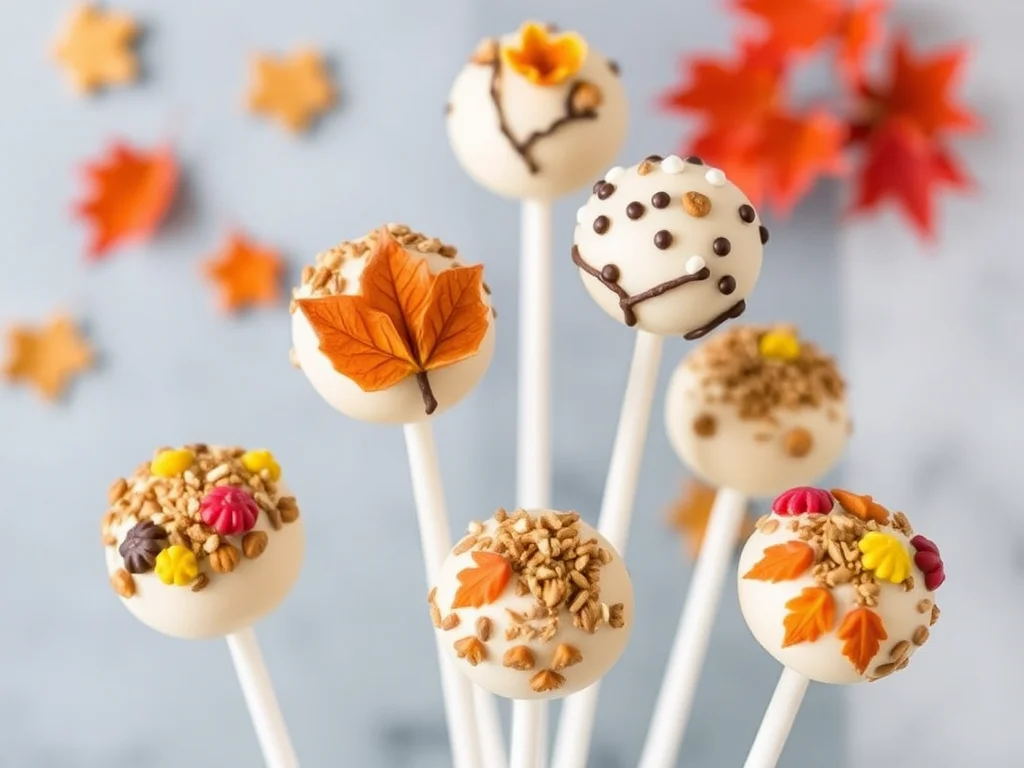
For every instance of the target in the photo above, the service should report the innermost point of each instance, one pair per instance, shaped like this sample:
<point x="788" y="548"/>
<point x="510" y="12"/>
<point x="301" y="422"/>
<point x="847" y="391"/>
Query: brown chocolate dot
<point x="660" y="199"/>
<point x="601" y="224"/>
<point x="764" y="234"/>
<point x="614" y="67"/>
<point x="605" y="191"/>
<point x="610" y="272"/>
<point x="721" y="246"/>
<point x="635" y="210"/>
<point x="797" y="442"/>
<point x="662" y="239"/>
<point x="727" y="284"/>
<point x="654" y="158"/>
<point x="597" y="186"/>
<point x="704" y="425"/>
<point x="747" y="213"/>
<point x="693" y="159"/>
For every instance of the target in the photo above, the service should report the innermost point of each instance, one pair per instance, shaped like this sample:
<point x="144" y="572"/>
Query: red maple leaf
<point x="795" y="26"/>
<point x="130" y="192"/>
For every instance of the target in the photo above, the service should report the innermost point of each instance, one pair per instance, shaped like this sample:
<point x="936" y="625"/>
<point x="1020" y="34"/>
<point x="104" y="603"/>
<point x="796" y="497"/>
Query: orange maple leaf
<point x="795" y="25"/>
<point x="483" y="584"/>
<point x="690" y="513"/>
<point x="245" y="272"/>
<point x="863" y="633"/>
<point x="782" y="562"/>
<point x="864" y="507"/>
<point x="811" y="614"/>
<point x="130" y="192"/>
<point x="406" y="321"/>
<point x="860" y="29"/>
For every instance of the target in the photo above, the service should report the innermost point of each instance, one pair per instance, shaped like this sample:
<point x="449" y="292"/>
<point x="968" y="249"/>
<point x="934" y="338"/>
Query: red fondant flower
<point x="929" y="561"/>
<point x="228" y="510"/>
<point x="802" y="501"/>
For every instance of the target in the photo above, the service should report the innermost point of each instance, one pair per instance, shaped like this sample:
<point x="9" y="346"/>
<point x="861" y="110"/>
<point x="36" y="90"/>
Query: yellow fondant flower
<point x="172" y="463"/>
<point x="780" y="345"/>
<point x="544" y="58"/>
<point x="885" y="555"/>
<point x="257" y="461"/>
<point x="177" y="565"/>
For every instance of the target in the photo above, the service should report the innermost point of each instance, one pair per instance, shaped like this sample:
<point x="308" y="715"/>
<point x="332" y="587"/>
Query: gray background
<point x="926" y="339"/>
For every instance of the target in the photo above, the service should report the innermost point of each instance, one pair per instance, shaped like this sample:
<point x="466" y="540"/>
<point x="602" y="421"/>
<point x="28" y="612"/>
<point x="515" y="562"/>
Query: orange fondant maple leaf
<point x="811" y="614"/>
<point x="795" y="25"/>
<point x="862" y="632"/>
<point x="782" y="562"/>
<point x="483" y="584"/>
<point x="245" y="272"/>
<point x="864" y="507"/>
<point x="406" y="321"/>
<point x="130" y="192"/>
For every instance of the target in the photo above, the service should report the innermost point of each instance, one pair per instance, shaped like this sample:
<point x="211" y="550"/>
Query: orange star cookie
<point x="95" y="48"/>
<point x="246" y="273"/>
<point x="690" y="513"/>
<point x="48" y="357"/>
<point x="294" y="89"/>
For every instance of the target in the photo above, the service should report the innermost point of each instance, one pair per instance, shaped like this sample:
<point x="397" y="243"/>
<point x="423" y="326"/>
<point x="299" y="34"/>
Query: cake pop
<point x="391" y="327"/>
<point x="537" y="113"/>
<point x="203" y="541"/>
<point x="757" y="409"/>
<point x="534" y="604"/>
<point x="669" y="245"/>
<point x="838" y="588"/>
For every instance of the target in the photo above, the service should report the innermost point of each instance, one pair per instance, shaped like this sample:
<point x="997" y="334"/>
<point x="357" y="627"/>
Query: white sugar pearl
<point x="715" y="177"/>
<point x="673" y="164"/>
<point x="581" y="214"/>
<point x="614" y="174"/>
<point x="694" y="264"/>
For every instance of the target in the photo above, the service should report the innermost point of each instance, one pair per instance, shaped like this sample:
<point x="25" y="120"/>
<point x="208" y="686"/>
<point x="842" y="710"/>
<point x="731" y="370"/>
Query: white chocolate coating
<point x="600" y="649"/>
<point x="629" y="245"/>
<point x="569" y="158"/>
<point x="230" y="602"/>
<point x="905" y="614"/>
<point x="402" y="403"/>
<point x="749" y="454"/>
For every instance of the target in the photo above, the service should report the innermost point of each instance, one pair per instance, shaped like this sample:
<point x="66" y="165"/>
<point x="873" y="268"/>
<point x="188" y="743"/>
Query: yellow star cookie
<point x="95" y="48"/>
<point x="293" y="89"/>
<point x="47" y="357"/>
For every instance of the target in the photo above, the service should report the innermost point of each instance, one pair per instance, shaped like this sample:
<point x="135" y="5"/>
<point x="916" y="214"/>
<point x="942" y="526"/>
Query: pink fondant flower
<point x="929" y="561"/>
<point x="802" y="501"/>
<point x="229" y="510"/>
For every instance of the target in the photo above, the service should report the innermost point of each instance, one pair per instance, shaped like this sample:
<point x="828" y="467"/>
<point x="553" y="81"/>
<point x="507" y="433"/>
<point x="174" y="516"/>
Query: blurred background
<point x="928" y="336"/>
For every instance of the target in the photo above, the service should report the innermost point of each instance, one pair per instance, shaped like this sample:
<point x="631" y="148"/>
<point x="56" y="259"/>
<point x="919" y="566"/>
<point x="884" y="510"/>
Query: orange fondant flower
<point x="544" y="58"/>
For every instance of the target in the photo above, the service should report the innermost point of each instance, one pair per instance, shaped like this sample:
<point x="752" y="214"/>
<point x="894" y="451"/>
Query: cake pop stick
<point x="535" y="115"/>
<point x="204" y="542"/>
<point x="671" y="247"/>
<point x="753" y="410"/>
<point x="839" y="590"/>
<point x="391" y="328"/>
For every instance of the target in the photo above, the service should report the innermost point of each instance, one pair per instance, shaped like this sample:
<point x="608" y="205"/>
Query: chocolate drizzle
<point x="525" y="148"/>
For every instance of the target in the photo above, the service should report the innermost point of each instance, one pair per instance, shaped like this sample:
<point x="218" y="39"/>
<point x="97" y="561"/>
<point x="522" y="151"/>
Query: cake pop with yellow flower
<point x="537" y="113"/>
<point x="757" y="409"/>
<point x="203" y="541"/>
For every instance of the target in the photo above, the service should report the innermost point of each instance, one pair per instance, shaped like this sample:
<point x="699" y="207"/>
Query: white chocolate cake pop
<point x="533" y="605"/>
<point x="392" y="327"/>
<point x="203" y="541"/>
<point x="837" y="588"/>
<point x="758" y="410"/>
<point x="537" y="113"/>
<point x="670" y="246"/>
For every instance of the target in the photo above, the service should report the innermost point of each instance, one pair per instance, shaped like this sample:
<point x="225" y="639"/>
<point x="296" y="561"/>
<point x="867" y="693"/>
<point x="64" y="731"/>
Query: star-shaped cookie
<point x="246" y="273"/>
<point x="47" y="357"/>
<point x="95" y="48"/>
<point x="292" y="89"/>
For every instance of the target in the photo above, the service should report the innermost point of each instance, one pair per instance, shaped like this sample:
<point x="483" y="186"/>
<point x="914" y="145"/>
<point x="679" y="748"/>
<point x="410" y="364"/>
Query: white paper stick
<point x="778" y="720"/>
<point x="572" y="744"/>
<point x="488" y="725"/>
<point x="686" y="659"/>
<point x="527" y="725"/>
<point x="435" y="539"/>
<point x="271" y="732"/>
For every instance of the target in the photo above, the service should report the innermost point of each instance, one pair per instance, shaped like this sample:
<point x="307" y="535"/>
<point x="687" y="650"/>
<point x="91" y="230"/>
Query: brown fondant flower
<point x="141" y="546"/>
<point x="544" y="58"/>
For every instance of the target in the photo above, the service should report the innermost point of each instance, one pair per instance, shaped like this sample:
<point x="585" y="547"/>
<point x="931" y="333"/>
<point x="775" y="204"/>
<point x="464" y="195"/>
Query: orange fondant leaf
<point x="861" y="27"/>
<point x="483" y="584"/>
<point x="863" y="507"/>
<point x="453" y="323"/>
<point x="395" y="284"/>
<point x="293" y="89"/>
<point x="245" y="272"/>
<point x="130" y="192"/>
<point x="810" y="616"/>
<point x="795" y="26"/>
<point x="782" y="562"/>
<point x="691" y="512"/>
<point x="863" y="633"/>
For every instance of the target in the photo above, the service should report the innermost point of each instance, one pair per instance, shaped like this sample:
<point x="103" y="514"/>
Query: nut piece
<point x="288" y="508"/>
<point x="225" y="558"/>
<point x="486" y="53"/>
<point x="200" y="583"/>
<point x="518" y="657"/>
<point x="615" y="618"/>
<point x="585" y="98"/>
<point x="254" y="543"/>
<point x="546" y="680"/>
<point x="483" y="629"/>
<point x="704" y="425"/>
<point x="697" y="204"/>
<point x="565" y="656"/>
<point x="117" y="489"/>
<point x="797" y="442"/>
<point x="451" y="621"/>
<point x="920" y="635"/>
<point x="123" y="583"/>
<point x="471" y="649"/>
